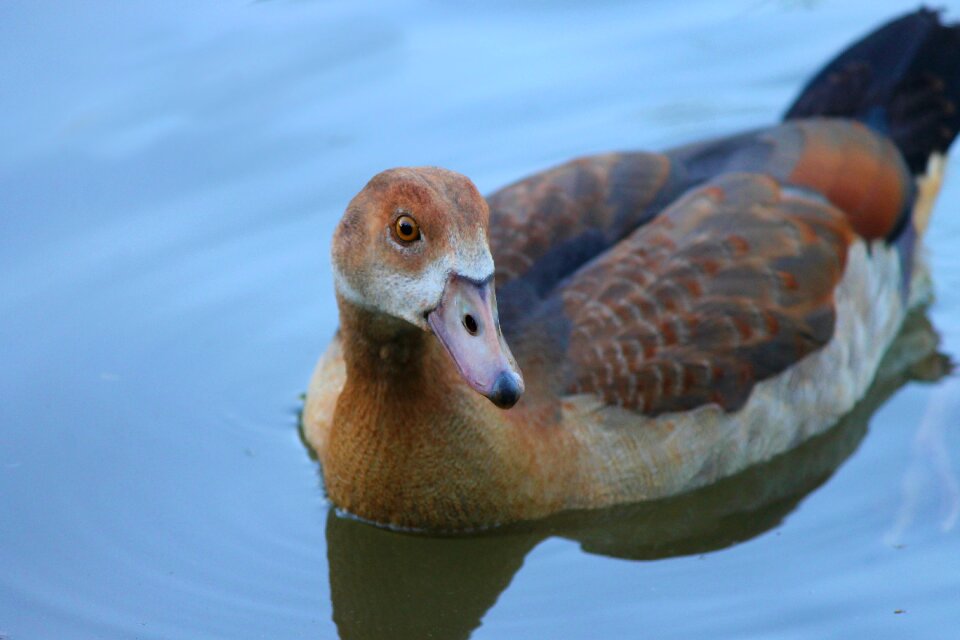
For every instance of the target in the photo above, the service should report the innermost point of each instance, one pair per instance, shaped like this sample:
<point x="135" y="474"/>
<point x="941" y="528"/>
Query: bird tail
<point x="902" y="80"/>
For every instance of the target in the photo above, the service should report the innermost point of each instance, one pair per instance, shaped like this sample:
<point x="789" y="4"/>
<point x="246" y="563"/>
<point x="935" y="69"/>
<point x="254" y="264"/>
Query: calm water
<point x="170" y="174"/>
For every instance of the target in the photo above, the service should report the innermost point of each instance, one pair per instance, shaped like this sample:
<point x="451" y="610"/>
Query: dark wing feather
<point x="902" y="79"/>
<point x="544" y="227"/>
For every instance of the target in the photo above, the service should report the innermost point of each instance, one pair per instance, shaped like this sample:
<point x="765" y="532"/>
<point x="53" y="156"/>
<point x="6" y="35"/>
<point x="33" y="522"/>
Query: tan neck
<point x="380" y="347"/>
<point x="408" y="438"/>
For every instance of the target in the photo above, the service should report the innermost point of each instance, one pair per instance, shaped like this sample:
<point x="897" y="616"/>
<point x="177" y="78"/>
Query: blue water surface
<point x="170" y="175"/>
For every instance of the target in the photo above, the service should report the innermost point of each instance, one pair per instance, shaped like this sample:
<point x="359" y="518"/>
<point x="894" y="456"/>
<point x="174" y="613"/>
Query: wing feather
<point x="730" y="285"/>
<point x="661" y="282"/>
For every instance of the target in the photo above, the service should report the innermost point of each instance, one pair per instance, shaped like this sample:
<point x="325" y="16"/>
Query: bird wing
<point x="731" y="284"/>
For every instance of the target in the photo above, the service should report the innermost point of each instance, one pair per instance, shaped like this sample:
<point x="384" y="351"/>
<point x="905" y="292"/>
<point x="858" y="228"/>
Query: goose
<point x="633" y="325"/>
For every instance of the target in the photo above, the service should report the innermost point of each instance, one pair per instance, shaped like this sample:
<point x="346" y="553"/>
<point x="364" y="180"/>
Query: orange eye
<point x="407" y="229"/>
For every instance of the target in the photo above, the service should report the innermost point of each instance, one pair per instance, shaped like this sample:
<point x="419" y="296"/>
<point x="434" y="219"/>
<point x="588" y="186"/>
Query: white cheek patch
<point x="411" y="296"/>
<point x="342" y="285"/>
<point x="406" y="296"/>
<point x="474" y="260"/>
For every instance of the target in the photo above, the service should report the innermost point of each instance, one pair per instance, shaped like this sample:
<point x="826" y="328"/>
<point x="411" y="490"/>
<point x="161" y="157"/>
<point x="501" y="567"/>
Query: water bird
<point x="629" y="326"/>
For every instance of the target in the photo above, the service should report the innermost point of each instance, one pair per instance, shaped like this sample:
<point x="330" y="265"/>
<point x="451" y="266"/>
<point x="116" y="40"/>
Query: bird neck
<point x="407" y="434"/>
<point x="381" y="349"/>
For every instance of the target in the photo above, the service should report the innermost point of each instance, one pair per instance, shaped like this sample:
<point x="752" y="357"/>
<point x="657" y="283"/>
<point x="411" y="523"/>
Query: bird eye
<point x="407" y="229"/>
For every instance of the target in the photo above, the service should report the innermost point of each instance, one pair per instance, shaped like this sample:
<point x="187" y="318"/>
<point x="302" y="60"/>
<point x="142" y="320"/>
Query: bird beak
<point x="467" y="325"/>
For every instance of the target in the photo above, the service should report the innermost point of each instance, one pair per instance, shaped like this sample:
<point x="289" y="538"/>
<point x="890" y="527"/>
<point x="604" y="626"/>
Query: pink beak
<point x="466" y="323"/>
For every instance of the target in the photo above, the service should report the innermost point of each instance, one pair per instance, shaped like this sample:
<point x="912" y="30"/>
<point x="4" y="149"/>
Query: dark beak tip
<point x="507" y="390"/>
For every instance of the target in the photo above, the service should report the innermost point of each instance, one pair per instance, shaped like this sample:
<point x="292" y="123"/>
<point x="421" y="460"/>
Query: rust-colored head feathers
<point x="380" y="267"/>
<point x="413" y="245"/>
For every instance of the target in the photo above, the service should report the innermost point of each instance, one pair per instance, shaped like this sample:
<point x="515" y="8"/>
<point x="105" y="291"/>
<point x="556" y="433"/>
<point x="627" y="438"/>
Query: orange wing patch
<point x="857" y="170"/>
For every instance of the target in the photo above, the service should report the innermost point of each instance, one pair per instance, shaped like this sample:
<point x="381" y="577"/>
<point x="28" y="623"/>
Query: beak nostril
<point x="471" y="324"/>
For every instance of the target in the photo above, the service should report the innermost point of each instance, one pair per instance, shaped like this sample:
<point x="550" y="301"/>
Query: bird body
<point x="676" y="317"/>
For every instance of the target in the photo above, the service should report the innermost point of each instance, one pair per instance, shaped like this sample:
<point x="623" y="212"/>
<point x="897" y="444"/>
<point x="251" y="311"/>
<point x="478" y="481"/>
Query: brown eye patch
<point x="407" y="229"/>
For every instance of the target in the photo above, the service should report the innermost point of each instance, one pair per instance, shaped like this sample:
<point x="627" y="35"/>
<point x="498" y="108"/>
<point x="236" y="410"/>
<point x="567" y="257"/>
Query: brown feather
<point x="730" y="285"/>
<point x="668" y="308"/>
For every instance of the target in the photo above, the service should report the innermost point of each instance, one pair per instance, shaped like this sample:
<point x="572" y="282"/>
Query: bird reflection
<point x="397" y="585"/>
